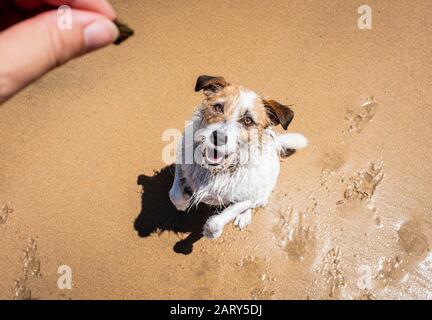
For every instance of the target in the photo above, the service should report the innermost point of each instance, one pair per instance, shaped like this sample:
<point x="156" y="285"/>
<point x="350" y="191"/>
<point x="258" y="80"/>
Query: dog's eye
<point x="248" y="121"/>
<point x="218" y="107"/>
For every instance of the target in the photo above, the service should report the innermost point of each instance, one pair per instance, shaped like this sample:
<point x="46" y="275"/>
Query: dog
<point x="236" y="153"/>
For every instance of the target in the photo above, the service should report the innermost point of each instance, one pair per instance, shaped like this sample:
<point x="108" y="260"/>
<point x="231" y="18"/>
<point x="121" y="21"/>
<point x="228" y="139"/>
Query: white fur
<point x="247" y="98"/>
<point x="248" y="186"/>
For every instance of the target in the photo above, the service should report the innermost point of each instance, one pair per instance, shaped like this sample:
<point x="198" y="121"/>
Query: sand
<point x="83" y="182"/>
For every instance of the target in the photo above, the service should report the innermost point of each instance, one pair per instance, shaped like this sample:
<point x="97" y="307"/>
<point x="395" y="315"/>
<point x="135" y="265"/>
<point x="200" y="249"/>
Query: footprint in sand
<point x="365" y="295"/>
<point x="357" y="119"/>
<point x="31" y="271"/>
<point x="252" y="271"/>
<point x="360" y="188"/>
<point x="412" y="240"/>
<point x="358" y="192"/>
<point x="332" y="161"/>
<point x="414" y="248"/>
<point x="362" y="184"/>
<point x="5" y="211"/>
<point x="295" y="236"/>
<point x="331" y="272"/>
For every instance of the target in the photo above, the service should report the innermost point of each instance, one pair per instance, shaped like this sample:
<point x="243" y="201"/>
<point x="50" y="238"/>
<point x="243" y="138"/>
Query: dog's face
<point x="236" y="122"/>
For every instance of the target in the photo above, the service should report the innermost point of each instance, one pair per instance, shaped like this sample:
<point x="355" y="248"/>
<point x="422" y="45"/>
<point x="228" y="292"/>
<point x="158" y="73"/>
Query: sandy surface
<point x="350" y="217"/>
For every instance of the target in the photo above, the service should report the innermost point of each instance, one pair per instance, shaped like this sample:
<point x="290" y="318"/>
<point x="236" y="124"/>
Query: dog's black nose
<point x="218" y="138"/>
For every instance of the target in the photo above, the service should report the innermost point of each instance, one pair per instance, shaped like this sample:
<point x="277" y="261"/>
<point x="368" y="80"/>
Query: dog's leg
<point x="177" y="193"/>
<point x="215" y="224"/>
<point x="243" y="219"/>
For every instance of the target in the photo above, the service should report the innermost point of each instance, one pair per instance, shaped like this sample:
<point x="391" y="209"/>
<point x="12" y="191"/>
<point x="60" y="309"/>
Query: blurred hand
<point x="32" y="43"/>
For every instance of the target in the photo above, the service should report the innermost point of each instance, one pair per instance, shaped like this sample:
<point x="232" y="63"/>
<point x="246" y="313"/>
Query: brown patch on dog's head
<point x="210" y="84"/>
<point x="236" y="122"/>
<point x="278" y="113"/>
<point x="220" y="100"/>
<point x="226" y="102"/>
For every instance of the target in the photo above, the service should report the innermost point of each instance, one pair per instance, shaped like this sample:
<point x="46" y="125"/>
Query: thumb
<point x="32" y="47"/>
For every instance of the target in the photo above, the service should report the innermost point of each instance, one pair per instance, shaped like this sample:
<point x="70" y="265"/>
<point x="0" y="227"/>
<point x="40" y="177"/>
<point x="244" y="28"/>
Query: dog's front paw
<point x="213" y="228"/>
<point x="244" y="219"/>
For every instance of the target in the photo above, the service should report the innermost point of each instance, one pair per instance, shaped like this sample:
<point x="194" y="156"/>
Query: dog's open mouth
<point x="214" y="157"/>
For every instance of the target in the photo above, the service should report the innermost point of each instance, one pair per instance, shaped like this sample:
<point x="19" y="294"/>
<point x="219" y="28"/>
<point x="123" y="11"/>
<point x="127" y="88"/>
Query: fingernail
<point x="100" y="34"/>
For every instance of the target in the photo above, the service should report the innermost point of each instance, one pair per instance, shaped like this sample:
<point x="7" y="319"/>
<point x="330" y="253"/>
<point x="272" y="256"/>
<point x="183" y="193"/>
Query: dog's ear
<point x="210" y="84"/>
<point x="278" y="113"/>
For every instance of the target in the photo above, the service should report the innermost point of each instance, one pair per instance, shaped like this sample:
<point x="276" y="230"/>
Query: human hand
<point x="31" y="42"/>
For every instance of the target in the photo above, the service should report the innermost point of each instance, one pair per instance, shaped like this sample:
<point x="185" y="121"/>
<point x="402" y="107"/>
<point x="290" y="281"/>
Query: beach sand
<point x="83" y="182"/>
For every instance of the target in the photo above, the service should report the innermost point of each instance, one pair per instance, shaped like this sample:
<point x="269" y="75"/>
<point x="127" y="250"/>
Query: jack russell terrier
<point x="236" y="153"/>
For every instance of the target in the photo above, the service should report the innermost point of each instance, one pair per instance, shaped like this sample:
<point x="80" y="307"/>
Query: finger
<point x="100" y="6"/>
<point x="33" y="47"/>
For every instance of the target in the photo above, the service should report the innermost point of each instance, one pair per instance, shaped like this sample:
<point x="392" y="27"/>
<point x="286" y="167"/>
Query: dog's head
<point x="235" y="122"/>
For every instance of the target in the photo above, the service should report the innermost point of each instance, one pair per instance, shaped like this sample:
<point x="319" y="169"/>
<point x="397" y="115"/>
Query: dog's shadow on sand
<point x="158" y="214"/>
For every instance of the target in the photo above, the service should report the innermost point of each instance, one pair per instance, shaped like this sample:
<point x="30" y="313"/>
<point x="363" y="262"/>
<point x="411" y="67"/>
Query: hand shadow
<point x="158" y="214"/>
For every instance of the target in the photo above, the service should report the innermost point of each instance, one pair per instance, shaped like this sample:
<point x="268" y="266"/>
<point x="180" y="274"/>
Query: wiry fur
<point x="246" y="177"/>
